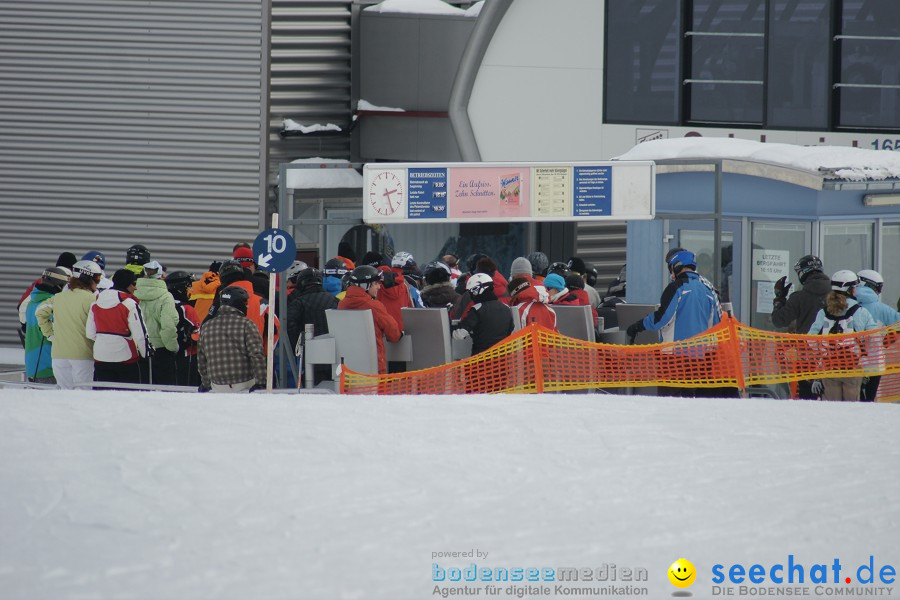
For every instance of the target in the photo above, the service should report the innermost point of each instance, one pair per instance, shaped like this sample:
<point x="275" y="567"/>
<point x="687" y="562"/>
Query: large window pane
<point x="846" y="246"/>
<point x="868" y="46"/>
<point x="727" y="61"/>
<point x="642" y="61"/>
<point x="798" y="71"/>
<point x="890" y="266"/>
<point x="700" y="242"/>
<point x="775" y="247"/>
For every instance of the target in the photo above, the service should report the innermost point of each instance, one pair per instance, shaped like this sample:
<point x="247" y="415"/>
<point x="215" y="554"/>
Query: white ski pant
<point x="243" y="386"/>
<point x="69" y="371"/>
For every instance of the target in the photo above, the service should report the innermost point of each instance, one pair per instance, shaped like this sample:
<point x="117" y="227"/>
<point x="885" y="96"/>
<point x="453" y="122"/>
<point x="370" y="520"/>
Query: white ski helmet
<point x="87" y="271"/>
<point x="479" y="283"/>
<point x="402" y="259"/>
<point x="872" y="279"/>
<point x="844" y="280"/>
<point x="295" y="268"/>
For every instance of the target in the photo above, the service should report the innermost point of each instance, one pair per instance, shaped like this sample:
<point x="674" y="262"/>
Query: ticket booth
<point x="770" y="204"/>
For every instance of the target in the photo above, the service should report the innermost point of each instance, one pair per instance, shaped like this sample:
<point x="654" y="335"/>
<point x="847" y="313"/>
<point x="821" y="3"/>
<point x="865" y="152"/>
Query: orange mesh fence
<point x="536" y="360"/>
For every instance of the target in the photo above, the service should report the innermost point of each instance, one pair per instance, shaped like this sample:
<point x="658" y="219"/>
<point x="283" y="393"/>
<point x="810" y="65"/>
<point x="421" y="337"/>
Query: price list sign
<point x="552" y="191"/>
<point x="428" y="193"/>
<point x="593" y="191"/>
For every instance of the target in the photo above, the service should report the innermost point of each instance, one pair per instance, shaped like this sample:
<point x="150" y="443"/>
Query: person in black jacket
<point x="798" y="311"/>
<point x="438" y="291"/>
<point x="307" y="305"/>
<point x="489" y="320"/>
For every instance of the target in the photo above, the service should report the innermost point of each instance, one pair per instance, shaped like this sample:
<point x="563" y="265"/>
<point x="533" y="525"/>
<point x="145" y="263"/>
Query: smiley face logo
<point x="682" y="573"/>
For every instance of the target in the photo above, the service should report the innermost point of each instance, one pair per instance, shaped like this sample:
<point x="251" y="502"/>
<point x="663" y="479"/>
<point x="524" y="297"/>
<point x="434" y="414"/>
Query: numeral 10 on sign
<point x="276" y="243"/>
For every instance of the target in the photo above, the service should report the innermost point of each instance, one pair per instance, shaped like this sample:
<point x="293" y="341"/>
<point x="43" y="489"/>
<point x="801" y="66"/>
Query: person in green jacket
<point x="38" y="358"/>
<point x="161" y="318"/>
<point x="62" y="320"/>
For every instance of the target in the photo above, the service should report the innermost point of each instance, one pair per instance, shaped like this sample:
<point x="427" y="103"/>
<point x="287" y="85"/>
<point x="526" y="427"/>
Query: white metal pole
<point x="270" y="333"/>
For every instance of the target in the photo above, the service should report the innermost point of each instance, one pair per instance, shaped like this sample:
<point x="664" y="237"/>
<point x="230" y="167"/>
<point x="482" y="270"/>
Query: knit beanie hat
<point x="67" y="260"/>
<point x="520" y="266"/>
<point x="122" y="279"/>
<point x="555" y="281"/>
<point x="243" y="255"/>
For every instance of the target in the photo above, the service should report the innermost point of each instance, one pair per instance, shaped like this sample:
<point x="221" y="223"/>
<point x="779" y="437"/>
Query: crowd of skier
<point x="147" y="325"/>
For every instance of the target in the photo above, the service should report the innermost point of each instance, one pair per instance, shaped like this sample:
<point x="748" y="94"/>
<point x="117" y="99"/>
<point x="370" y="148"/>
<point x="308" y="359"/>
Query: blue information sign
<point x="274" y="250"/>
<point x="427" y="193"/>
<point x="593" y="191"/>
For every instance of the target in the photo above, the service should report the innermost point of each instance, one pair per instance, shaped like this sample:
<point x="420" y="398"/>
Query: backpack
<point x="846" y="350"/>
<point x="840" y="324"/>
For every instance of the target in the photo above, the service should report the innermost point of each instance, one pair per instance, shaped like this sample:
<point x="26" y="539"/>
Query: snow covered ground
<point x="192" y="496"/>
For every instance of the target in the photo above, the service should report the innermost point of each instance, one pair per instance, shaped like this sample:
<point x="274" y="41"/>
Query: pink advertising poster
<point x="489" y="192"/>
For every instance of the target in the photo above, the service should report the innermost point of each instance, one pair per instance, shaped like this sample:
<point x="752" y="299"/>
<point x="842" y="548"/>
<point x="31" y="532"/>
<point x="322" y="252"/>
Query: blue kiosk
<point x="749" y="210"/>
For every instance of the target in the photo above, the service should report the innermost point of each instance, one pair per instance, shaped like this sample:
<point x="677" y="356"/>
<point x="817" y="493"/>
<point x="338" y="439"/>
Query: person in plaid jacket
<point x="231" y="356"/>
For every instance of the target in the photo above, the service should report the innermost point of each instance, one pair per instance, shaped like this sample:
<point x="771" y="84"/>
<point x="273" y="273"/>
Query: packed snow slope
<point x="192" y="496"/>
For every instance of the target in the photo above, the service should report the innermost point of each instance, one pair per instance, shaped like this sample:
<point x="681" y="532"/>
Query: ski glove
<point x="782" y="288"/>
<point x="633" y="330"/>
<point x="817" y="387"/>
<point x="460" y="334"/>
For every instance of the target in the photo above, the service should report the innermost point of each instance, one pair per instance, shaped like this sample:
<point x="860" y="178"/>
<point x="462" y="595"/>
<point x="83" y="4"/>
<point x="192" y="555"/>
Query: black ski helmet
<point x="806" y="266"/>
<point x="137" y="255"/>
<point x="364" y="276"/>
<point x="55" y="279"/>
<point x="230" y="271"/>
<point x="178" y="283"/>
<point x="235" y="297"/>
<point x="179" y="279"/>
<point x="307" y="277"/>
<point x="561" y="268"/>
<point x="336" y="268"/>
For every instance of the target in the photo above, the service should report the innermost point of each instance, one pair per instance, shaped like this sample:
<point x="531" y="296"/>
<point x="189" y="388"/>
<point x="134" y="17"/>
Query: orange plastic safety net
<point x="536" y="360"/>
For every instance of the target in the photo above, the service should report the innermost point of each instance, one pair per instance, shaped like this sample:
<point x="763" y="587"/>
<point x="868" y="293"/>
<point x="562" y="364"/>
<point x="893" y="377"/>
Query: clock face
<point x="386" y="193"/>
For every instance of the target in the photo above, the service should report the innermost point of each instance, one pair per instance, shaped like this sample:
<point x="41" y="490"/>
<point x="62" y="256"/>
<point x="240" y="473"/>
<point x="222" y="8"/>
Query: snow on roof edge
<point x="829" y="162"/>
<point x="323" y="177"/>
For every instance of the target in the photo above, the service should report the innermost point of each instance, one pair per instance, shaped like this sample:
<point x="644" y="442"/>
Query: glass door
<point x="775" y="248"/>
<point x="697" y="236"/>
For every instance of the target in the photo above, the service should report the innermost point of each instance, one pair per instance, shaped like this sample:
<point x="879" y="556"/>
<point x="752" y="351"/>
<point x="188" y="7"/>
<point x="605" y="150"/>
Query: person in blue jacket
<point x="868" y="294"/>
<point x="687" y="307"/>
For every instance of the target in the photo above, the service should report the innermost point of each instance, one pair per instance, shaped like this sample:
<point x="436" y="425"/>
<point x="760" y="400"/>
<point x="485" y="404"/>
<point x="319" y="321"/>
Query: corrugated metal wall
<point x="125" y="121"/>
<point x="602" y="244"/>
<point x="310" y="80"/>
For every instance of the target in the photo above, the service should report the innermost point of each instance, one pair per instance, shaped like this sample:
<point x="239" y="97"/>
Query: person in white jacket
<point x="116" y="326"/>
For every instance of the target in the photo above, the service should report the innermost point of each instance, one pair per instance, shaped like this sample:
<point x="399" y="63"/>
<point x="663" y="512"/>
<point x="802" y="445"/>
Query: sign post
<point x="274" y="251"/>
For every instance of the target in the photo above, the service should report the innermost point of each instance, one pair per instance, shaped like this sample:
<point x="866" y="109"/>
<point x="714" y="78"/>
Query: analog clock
<point x="386" y="193"/>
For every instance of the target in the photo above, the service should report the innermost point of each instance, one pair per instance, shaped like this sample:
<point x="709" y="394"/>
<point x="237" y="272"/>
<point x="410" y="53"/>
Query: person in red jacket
<point x="364" y="283"/>
<point x="531" y="303"/>
<point x="394" y="293"/>
<point x="117" y="328"/>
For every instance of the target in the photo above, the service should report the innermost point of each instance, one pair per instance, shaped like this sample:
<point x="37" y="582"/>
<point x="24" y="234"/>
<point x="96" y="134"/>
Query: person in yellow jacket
<point x="203" y="291"/>
<point x="63" y="318"/>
